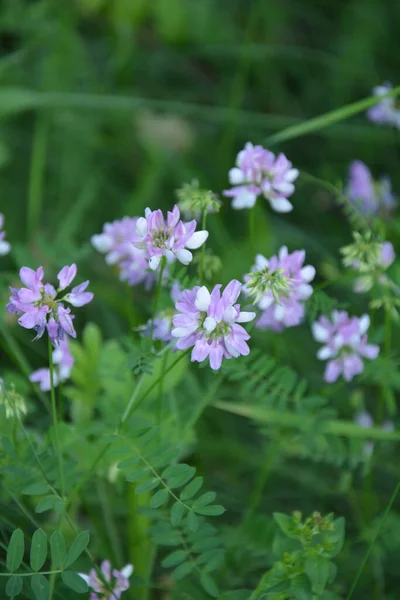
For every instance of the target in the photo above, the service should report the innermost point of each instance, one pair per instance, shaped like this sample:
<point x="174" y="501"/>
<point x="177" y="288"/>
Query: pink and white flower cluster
<point x="259" y="172"/>
<point x="210" y="323"/>
<point x="63" y="363"/>
<point x="118" y="581"/>
<point x="5" y="247"/>
<point x="117" y="242"/>
<point x="345" y="344"/>
<point x="171" y="238"/>
<point x="288" y="310"/>
<point x="372" y="197"/>
<point x="39" y="305"/>
<point x="386" y="111"/>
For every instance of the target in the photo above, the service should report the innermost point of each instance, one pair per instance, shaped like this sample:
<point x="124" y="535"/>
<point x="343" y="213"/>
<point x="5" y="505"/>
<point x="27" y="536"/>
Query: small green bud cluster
<point x="14" y="404"/>
<point x="363" y="254"/>
<point x="263" y="281"/>
<point x="193" y="201"/>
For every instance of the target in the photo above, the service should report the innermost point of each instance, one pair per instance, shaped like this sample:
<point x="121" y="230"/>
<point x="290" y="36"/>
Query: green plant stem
<point x="263" y="476"/>
<point x="109" y="522"/>
<point x="371" y="546"/>
<point x="386" y="350"/>
<point x="203" y="249"/>
<point x="160" y="388"/>
<point x="252" y="227"/>
<point x="157" y="299"/>
<point x="55" y="420"/>
<point x="36" y="173"/>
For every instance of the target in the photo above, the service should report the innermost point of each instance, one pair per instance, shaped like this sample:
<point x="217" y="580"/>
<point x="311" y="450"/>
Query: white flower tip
<point x="245" y="317"/>
<point x="197" y="240"/>
<point x="101" y="242"/>
<point x="127" y="571"/>
<point x="308" y="273"/>
<point x="203" y="299"/>
<point x="184" y="256"/>
<point x="235" y="176"/>
<point x="141" y="226"/>
<point x="281" y="205"/>
<point x="320" y="333"/>
<point x="154" y="262"/>
<point x="209" y="324"/>
<point x="364" y="323"/>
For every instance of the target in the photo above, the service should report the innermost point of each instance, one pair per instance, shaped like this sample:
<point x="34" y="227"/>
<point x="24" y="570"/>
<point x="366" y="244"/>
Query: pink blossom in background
<point x="364" y="420"/>
<point x="162" y="326"/>
<point x="118" y="580"/>
<point x="288" y="311"/>
<point x="345" y="344"/>
<point x="5" y="247"/>
<point x="386" y="111"/>
<point x="171" y="238"/>
<point x="40" y="307"/>
<point x="117" y="243"/>
<point x="386" y="258"/>
<point x="258" y="172"/>
<point x="210" y="323"/>
<point x="63" y="363"/>
<point x="372" y="197"/>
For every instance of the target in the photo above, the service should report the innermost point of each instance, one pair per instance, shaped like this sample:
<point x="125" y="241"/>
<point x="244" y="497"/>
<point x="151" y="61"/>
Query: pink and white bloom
<point x="364" y="420"/>
<point x="372" y="197"/>
<point x="258" y="172"/>
<point x="171" y="238"/>
<point x="118" y="581"/>
<point x="63" y="363"/>
<point x="210" y="323"/>
<point x="386" y="111"/>
<point x="345" y="344"/>
<point x="5" y="247"/>
<point x="288" y="310"/>
<point x="40" y="306"/>
<point x="117" y="242"/>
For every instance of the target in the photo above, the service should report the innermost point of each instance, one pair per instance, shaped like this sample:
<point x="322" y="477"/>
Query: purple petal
<point x="66" y="276"/>
<point x="216" y="354"/>
<point x="332" y="371"/>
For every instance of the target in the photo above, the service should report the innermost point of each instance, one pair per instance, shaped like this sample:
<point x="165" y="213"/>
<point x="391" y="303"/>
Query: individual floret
<point x="63" y="363"/>
<point x="386" y="111"/>
<point x="371" y="197"/>
<point x="5" y="247"/>
<point x="118" y="581"/>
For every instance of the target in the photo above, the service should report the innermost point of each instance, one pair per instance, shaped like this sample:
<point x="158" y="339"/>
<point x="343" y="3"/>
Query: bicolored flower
<point x="210" y="323"/>
<point x="259" y="172"/>
<point x="385" y="112"/>
<point x="118" y="581"/>
<point x="285" y="309"/>
<point x="5" y="247"/>
<point x="372" y="197"/>
<point x="171" y="238"/>
<point x="117" y="242"/>
<point x="345" y="344"/>
<point x="63" y="363"/>
<point x="40" y="307"/>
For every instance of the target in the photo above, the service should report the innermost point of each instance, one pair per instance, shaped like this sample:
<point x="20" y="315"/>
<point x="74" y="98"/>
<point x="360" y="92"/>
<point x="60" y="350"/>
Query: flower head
<point x="280" y="286"/>
<point x="258" y="172"/>
<point x="118" y="581"/>
<point x="375" y="274"/>
<point x="345" y="344"/>
<point x="210" y="323"/>
<point x="5" y="247"/>
<point x="386" y="111"/>
<point x="372" y="197"/>
<point x="171" y="238"/>
<point x="117" y="243"/>
<point x="63" y="362"/>
<point x="39" y="305"/>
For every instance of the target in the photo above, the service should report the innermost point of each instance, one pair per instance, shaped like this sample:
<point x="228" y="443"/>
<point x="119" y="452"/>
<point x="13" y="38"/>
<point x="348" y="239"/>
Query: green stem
<point x="252" y="228"/>
<point x="371" y="546"/>
<point x="109" y="522"/>
<point x="203" y="249"/>
<point x="265" y="472"/>
<point x="386" y="351"/>
<point x="157" y="299"/>
<point x="36" y="173"/>
<point x="160" y="388"/>
<point x="55" y="419"/>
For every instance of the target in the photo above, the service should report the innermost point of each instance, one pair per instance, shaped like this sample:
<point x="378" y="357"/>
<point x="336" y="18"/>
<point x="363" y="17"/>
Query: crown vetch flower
<point x="171" y="238"/>
<point x="39" y="305"/>
<point x="372" y="197"/>
<point x="63" y="363"/>
<point x="118" y="581"/>
<point x="210" y="323"/>
<point x="345" y="344"/>
<point x="386" y="111"/>
<point x="284" y="306"/>
<point x="5" y="247"/>
<point x="117" y="243"/>
<point x="258" y="172"/>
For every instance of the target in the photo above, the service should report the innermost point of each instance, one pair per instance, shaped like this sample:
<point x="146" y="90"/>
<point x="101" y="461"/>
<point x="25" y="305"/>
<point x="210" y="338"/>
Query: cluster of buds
<point x="13" y="403"/>
<point x="193" y="202"/>
<point x="267" y="281"/>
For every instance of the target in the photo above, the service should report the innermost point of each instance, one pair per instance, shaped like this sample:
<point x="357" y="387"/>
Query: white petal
<point x="305" y="290"/>
<point x="292" y="174"/>
<point x="147" y="212"/>
<point x="182" y="331"/>
<point x="279" y="312"/>
<point x="203" y="299"/>
<point x="236" y="176"/>
<point x="266" y="301"/>
<point x="5" y="248"/>
<point x="325" y="352"/>
<point x="209" y="324"/>
<point x="127" y="571"/>
<point x="308" y="273"/>
<point x="84" y="577"/>
<point x="101" y="242"/>
<point x="261" y="262"/>
<point x="281" y="205"/>
<point x="364" y="323"/>
<point x="285" y="187"/>
<point x="154" y="262"/>
<point x="283" y="252"/>
<point x="141" y="226"/>
<point x="245" y="317"/>
<point x="197" y="240"/>
<point x="230" y="314"/>
<point x="244" y="200"/>
<point x="320" y="333"/>
<point x="184" y="256"/>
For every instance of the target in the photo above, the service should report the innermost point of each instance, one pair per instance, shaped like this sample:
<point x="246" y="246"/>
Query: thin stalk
<point x="263" y="476"/>
<point x="160" y="389"/>
<point x="252" y="227"/>
<point x="371" y="546"/>
<point x="156" y="299"/>
<point x="203" y="249"/>
<point x="36" y="173"/>
<point x="109" y="522"/>
<point x="386" y="350"/>
<point x="55" y="419"/>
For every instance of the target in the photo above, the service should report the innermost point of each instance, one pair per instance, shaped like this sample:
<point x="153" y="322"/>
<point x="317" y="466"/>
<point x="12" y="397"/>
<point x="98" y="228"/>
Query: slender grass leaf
<point x="58" y="550"/>
<point x="79" y="544"/>
<point x="174" y="559"/>
<point x="183" y="570"/>
<point x="177" y="513"/>
<point x="159" y="498"/>
<point x="15" y="551"/>
<point x="38" y="550"/>
<point x="191" y="489"/>
<point x="74" y="582"/>
<point x="40" y="587"/>
<point x="14" y="586"/>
